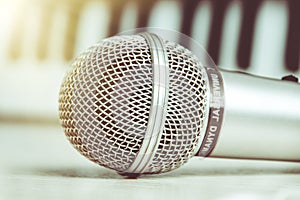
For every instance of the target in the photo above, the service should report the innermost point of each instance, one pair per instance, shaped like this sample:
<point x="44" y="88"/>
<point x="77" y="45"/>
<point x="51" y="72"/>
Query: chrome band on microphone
<point x="216" y="111"/>
<point x="159" y="102"/>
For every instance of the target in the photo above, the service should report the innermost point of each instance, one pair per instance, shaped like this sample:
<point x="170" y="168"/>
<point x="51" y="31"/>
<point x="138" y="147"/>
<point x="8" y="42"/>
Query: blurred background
<point x="38" y="38"/>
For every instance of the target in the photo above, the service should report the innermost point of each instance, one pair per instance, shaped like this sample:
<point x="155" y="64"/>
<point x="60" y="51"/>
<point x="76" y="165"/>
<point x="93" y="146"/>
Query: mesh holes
<point x="99" y="101"/>
<point x="105" y="100"/>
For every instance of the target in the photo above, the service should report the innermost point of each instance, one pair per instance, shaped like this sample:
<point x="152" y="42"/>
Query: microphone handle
<point x="261" y="118"/>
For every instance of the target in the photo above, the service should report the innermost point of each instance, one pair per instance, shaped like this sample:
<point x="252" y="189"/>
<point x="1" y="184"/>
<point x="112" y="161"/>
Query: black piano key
<point x="188" y="14"/>
<point x="216" y="29"/>
<point x="188" y="9"/>
<point x="144" y="10"/>
<point x="292" y="51"/>
<point x="249" y="14"/>
<point x="116" y="11"/>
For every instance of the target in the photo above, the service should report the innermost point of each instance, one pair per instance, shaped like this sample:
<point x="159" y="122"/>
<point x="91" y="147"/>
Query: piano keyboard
<point x="39" y="38"/>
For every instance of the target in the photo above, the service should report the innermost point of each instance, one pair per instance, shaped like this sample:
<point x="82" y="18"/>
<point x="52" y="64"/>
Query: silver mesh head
<point x="105" y="101"/>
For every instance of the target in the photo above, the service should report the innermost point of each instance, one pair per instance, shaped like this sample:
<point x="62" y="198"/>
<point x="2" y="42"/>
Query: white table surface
<point x="37" y="162"/>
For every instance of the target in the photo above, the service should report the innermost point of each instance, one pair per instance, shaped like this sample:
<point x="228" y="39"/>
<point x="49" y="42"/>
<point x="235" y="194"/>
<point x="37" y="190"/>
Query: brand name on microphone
<point x="215" y="112"/>
<point x="216" y="97"/>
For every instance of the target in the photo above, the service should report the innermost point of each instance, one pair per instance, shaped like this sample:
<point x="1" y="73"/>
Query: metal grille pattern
<point x="187" y="109"/>
<point x="105" y="103"/>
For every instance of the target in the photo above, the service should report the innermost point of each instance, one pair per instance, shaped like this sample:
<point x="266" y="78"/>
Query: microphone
<point x="139" y="104"/>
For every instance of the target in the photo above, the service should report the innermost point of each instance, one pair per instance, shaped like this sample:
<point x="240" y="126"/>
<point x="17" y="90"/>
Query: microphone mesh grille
<point x="186" y="110"/>
<point x="105" y="101"/>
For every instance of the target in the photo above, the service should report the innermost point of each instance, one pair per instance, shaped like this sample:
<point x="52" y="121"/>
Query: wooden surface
<point x="37" y="162"/>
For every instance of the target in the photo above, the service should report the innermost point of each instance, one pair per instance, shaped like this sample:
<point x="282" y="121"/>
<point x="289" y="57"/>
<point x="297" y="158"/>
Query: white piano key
<point x="57" y="33"/>
<point x="93" y="25"/>
<point x="32" y="24"/>
<point x="230" y="37"/>
<point x="129" y="18"/>
<point x="8" y="12"/>
<point x="201" y="24"/>
<point x="166" y="15"/>
<point x="270" y="39"/>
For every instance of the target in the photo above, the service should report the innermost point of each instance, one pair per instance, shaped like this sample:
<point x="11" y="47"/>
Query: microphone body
<point x="140" y="104"/>
<point x="261" y="118"/>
